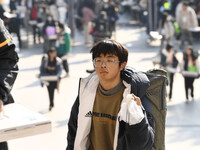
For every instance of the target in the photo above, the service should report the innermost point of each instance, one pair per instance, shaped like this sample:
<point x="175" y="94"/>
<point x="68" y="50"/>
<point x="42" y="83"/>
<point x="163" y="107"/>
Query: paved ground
<point x="183" y="123"/>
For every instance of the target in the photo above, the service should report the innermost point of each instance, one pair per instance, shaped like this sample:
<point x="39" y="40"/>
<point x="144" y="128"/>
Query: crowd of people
<point x="188" y="67"/>
<point x="177" y="24"/>
<point x="28" y="15"/>
<point x="117" y="96"/>
<point x="97" y="18"/>
<point x="37" y="15"/>
<point x="42" y="17"/>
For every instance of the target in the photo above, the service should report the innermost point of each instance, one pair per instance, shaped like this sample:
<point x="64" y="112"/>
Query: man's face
<point x="60" y="30"/>
<point x="170" y="50"/>
<point x="188" y="51"/>
<point x="53" y="54"/>
<point x="184" y="8"/>
<point x="107" y="67"/>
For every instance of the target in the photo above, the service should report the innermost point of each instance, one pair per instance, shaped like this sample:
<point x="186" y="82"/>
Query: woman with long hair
<point x="189" y="64"/>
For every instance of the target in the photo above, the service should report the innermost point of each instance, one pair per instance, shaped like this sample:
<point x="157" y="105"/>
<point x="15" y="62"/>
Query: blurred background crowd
<point x="54" y="23"/>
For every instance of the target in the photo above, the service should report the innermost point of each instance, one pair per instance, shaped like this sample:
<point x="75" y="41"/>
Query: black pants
<point x="3" y="146"/>
<point x="36" y="32"/>
<point x="189" y="85"/>
<point x="51" y="88"/>
<point x="171" y="80"/>
<point x="14" y="27"/>
<point x="186" y="36"/>
<point x="66" y="66"/>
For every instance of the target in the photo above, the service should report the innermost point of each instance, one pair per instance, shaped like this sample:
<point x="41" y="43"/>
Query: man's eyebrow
<point x="107" y="56"/>
<point x="110" y="56"/>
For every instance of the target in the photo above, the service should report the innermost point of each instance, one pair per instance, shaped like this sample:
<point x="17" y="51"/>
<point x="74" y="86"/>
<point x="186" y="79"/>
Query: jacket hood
<point x="138" y="80"/>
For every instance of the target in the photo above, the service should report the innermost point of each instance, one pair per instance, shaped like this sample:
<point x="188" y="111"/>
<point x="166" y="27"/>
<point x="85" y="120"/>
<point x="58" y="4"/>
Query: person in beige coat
<point x="186" y="19"/>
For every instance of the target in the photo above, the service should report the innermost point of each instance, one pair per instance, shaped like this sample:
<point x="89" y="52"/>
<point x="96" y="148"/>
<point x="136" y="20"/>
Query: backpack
<point x="156" y="93"/>
<point x="154" y="102"/>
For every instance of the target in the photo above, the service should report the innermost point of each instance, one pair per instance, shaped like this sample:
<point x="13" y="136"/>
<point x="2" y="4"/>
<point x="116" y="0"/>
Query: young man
<point x="102" y="118"/>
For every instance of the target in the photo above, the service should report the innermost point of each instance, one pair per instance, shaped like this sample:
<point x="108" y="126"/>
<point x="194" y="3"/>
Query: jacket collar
<point x="138" y="80"/>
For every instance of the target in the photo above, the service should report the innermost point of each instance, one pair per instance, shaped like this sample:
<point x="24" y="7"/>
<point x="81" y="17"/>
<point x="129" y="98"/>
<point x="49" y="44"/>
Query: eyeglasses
<point x="108" y="62"/>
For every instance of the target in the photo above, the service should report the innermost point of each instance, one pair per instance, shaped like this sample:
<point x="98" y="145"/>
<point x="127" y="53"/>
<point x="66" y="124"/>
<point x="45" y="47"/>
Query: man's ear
<point x="123" y="65"/>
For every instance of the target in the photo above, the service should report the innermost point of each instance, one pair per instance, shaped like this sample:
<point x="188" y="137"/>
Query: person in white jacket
<point x="106" y="114"/>
<point x="166" y="29"/>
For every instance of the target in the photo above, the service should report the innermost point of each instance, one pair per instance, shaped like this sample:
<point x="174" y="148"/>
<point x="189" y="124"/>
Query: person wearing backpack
<point x="190" y="63"/>
<point x="169" y="60"/>
<point x="111" y="110"/>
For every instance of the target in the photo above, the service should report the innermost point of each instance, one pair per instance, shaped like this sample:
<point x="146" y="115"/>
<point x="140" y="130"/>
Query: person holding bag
<point x="50" y="72"/>
<point x="50" y="33"/>
<point x="108" y="113"/>
<point x="190" y="64"/>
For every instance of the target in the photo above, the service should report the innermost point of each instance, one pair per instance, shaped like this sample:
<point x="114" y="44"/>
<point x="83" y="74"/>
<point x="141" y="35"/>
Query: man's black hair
<point x="110" y="47"/>
<point x="168" y="47"/>
<point x="185" y="3"/>
<point x="60" y="25"/>
<point x="52" y="49"/>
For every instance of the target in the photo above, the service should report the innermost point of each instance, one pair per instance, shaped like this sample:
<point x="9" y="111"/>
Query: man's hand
<point x="1" y="105"/>
<point x="133" y="97"/>
<point x="137" y="100"/>
<point x="131" y="111"/>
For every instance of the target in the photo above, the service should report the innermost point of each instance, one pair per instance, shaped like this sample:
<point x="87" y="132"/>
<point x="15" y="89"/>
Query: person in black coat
<point x="51" y="66"/>
<point x="189" y="60"/>
<point x="8" y="70"/>
<point x="100" y="113"/>
<point x="12" y="6"/>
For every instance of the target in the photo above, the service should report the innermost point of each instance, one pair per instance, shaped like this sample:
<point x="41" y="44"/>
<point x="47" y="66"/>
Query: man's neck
<point x="108" y="85"/>
<point x="51" y="59"/>
<point x="112" y="91"/>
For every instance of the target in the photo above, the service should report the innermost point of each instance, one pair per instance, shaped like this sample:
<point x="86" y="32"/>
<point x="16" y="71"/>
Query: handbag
<point x="192" y="68"/>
